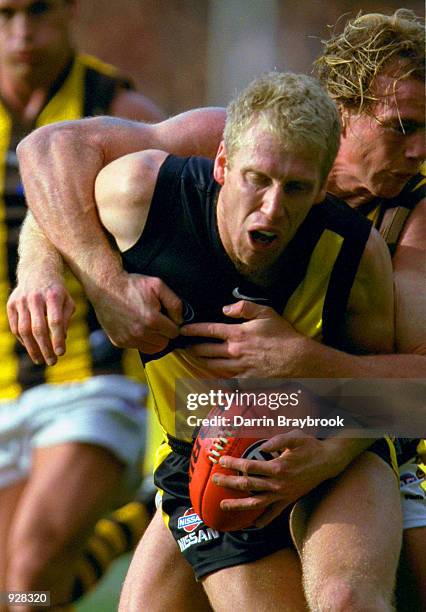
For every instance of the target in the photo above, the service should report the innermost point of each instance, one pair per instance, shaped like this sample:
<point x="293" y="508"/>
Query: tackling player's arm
<point x="409" y="264"/>
<point x="40" y="302"/>
<point x="123" y="208"/>
<point x="60" y="193"/>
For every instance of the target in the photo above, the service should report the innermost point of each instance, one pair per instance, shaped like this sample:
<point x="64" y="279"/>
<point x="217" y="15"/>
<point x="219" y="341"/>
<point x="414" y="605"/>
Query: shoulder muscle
<point x="123" y="194"/>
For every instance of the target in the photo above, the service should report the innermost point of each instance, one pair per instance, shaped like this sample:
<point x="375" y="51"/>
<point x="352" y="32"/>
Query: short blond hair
<point x="368" y="46"/>
<point x="292" y="107"/>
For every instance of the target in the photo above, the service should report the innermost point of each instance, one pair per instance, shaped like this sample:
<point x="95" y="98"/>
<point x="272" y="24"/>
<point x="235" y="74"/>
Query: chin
<point x="389" y="189"/>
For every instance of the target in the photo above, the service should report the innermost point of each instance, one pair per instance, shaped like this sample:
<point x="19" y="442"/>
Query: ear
<point x="219" y="170"/>
<point x="345" y="119"/>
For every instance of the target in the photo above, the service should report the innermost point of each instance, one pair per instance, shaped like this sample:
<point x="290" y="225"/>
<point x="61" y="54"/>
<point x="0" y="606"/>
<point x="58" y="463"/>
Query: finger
<point x="245" y="483"/>
<point x="171" y="303"/>
<point x="248" y="466"/>
<point x="247" y="310"/>
<point x="255" y="502"/>
<point x="58" y="319"/>
<point x="291" y="439"/>
<point x="40" y="328"/>
<point x="13" y="319"/>
<point x="164" y="326"/>
<point x="207" y="330"/>
<point x="158" y="344"/>
<point x="26" y="334"/>
<point x="271" y="513"/>
<point x="69" y="310"/>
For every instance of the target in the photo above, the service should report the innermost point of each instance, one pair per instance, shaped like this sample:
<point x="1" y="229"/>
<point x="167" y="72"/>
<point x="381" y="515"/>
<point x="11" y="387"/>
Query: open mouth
<point x="262" y="237"/>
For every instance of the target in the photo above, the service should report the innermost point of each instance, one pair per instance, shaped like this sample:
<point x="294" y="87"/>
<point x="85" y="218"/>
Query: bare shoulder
<point x="123" y="193"/>
<point x="133" y="105"/>
<point x="370" y="321"/>
<point x="374" y="276"/>
<point x="410" y="279"/>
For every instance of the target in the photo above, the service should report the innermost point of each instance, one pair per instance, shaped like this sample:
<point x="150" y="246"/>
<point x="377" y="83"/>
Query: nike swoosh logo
<point x="240" y="296"/>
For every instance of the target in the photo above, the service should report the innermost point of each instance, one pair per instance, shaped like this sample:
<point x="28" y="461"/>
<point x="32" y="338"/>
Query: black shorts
<point x="206" y="549"/>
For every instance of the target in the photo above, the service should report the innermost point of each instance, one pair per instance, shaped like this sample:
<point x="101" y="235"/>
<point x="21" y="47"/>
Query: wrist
<point x="340" y="452"/>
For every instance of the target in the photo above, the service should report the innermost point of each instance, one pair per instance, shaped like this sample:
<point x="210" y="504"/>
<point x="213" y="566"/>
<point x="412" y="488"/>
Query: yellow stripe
<point x="304" y="308"/>
<point x="112" y="533"/>
<point x="135" y="516"/>
<point x="162" y="453"/>
<point x="9" y="363"/>
<point x="100" y="549"/>
<point x="393" y="457"/>
<point x="87" y="575"/>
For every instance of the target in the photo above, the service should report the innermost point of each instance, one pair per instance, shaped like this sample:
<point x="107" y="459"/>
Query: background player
<point x="59" y="436"/>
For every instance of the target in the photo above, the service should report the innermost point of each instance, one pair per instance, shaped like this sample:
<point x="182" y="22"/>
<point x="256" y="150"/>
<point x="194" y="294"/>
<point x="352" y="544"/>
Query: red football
<point x="205" y="495"/>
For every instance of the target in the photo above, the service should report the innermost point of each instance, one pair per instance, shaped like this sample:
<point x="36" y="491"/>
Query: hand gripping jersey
<point x="86" y="87"/>
<point x="181" y="245"/>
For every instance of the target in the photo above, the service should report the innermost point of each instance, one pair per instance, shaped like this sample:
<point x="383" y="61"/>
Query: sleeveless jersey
<point x="86" y="87"/>
<point x="389" y="217"/>
<point x="181" y="245"/>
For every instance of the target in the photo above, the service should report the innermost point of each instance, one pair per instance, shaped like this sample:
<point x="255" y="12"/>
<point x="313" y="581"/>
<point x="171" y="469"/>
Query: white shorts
<point x="105" y="410"/>
<point x="413" y="495"/>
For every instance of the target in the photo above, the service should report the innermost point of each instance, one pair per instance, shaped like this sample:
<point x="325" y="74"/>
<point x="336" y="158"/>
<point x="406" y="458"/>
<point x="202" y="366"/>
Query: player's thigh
<point x="9" y="500"/>
<point x="354" y="530"/>
<point x="411" y="591"/>
<point x="159" y="578"/>
<point x="70" y="486"/>
<point x="271" y="583"/>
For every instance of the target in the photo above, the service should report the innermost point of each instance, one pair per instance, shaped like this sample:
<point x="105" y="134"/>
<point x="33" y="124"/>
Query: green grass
<point x="105" y="597"/>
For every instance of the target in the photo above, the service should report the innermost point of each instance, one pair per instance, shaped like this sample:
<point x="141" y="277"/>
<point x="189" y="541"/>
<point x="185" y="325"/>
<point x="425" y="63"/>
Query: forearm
<point x="313" y="360"/>
<point x="59" y="165"/>
<point x="340" y="452"/>
<point x="35" y="247"/>
<point x="60" y="195"/>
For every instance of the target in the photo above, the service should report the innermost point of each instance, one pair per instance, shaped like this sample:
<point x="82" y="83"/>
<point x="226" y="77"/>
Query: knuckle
<point x="150" y="318"/>
<point x="154" y="282"/>
<point x="244" y="483"/>
<point x="55" y="293"/>
<point x="37" y="330"/>
<point x="234" y="350"/>
<point x="276" y="468"/>
<point x="56" y="321"/>
<point x="24" y="330"/>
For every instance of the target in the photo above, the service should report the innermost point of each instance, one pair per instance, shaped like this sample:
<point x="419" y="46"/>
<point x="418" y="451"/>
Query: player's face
<point x="266" y="194"/>
<point x="34" y="35"/>
<point x="386" y="150"/>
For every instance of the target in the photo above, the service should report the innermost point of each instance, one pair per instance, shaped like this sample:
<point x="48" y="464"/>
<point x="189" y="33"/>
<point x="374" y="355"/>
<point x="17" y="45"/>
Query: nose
<point x="416" y="146"/>
<point x="273" y="202"/>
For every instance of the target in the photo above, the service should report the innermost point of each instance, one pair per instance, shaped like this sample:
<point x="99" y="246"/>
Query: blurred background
<point x="186" y="53"/>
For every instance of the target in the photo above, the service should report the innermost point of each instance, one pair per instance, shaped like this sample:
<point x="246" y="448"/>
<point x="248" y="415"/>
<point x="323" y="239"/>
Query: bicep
<point x="123" y="194"/>
<point x="410" y="281"/>
<point x="370" y="323"/>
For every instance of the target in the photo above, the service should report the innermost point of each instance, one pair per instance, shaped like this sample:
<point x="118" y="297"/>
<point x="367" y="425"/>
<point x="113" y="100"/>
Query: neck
<point x="345" y="185"/>
<point x="24" y="95"/>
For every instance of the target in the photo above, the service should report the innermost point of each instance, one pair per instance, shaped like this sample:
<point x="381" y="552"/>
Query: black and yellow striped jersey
<point x="316" y="270"/>
<point x="87" y="87"/>
<point x="389" y="217"/>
